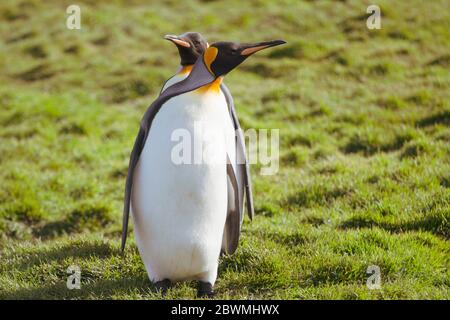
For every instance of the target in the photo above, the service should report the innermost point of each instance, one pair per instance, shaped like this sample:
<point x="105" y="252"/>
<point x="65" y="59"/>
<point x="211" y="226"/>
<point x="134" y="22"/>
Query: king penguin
<point x="190" y="46"/>
<point x="180" y="210"/>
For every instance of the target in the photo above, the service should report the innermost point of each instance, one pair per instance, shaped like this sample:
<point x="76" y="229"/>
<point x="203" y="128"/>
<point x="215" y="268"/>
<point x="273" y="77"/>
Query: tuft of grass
<point x="370" y="142"/>
<point x="415" y="149"/>
<point x="86" y="217"/>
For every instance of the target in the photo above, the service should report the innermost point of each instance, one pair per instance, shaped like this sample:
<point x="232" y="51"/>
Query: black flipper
<point x="134" y="157"/>
<point x="198" y="77"/>
<point x="232" y="228"/>
<point x="242" y="161"/>
<point x="239" y="174"/>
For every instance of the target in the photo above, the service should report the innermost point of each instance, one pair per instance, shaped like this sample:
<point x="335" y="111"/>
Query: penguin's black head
<point x="190" y="46"/>
<point x="222" y="57"/>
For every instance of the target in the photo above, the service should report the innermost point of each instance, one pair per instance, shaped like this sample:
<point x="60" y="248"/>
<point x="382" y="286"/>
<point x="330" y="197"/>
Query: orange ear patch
<point x="186" y="69"/>
<point x="209" y="57"/>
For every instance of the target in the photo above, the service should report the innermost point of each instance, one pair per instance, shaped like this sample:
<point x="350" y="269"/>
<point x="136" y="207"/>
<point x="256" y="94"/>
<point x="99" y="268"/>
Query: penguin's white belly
<point x="179" y="210"/>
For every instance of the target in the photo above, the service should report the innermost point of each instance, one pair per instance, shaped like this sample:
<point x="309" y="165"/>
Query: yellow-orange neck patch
<point x="209" y="56"/>
<point x="213" y="87"/>
<point x="186" y="69"/>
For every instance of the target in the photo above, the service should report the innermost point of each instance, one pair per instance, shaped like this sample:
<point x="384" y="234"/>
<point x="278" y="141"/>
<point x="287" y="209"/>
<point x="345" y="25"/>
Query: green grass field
<point x="364" y="122"/>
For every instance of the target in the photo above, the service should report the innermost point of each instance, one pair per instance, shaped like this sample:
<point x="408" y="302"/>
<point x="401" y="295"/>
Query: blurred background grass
<point x="364" y="125"/>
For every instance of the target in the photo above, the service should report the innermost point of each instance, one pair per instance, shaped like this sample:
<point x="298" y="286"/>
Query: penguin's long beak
<point x="248" y="49"/>
<point x="177" y="40"/>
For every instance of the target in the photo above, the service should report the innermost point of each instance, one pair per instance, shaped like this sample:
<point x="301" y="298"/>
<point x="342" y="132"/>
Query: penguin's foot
<point x="162" y="286"/>
<point x="205" y="290"/>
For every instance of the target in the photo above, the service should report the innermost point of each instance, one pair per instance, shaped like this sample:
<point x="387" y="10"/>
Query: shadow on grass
<point x="369" y="145"/>
<point x="436" y="224"/>
<point x="87" y="216"/>
<point x="73" y="250"/>
<point x="438" y="118"/>
<point x="40" y="72"/>
<point x="101" y="289"/>
<point x="323" y="195"/>
<point x="289" y="240"/>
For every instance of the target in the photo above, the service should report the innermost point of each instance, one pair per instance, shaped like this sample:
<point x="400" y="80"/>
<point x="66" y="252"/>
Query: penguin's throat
<point x="213" y="87"/>
<point x="186" y="69"/>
